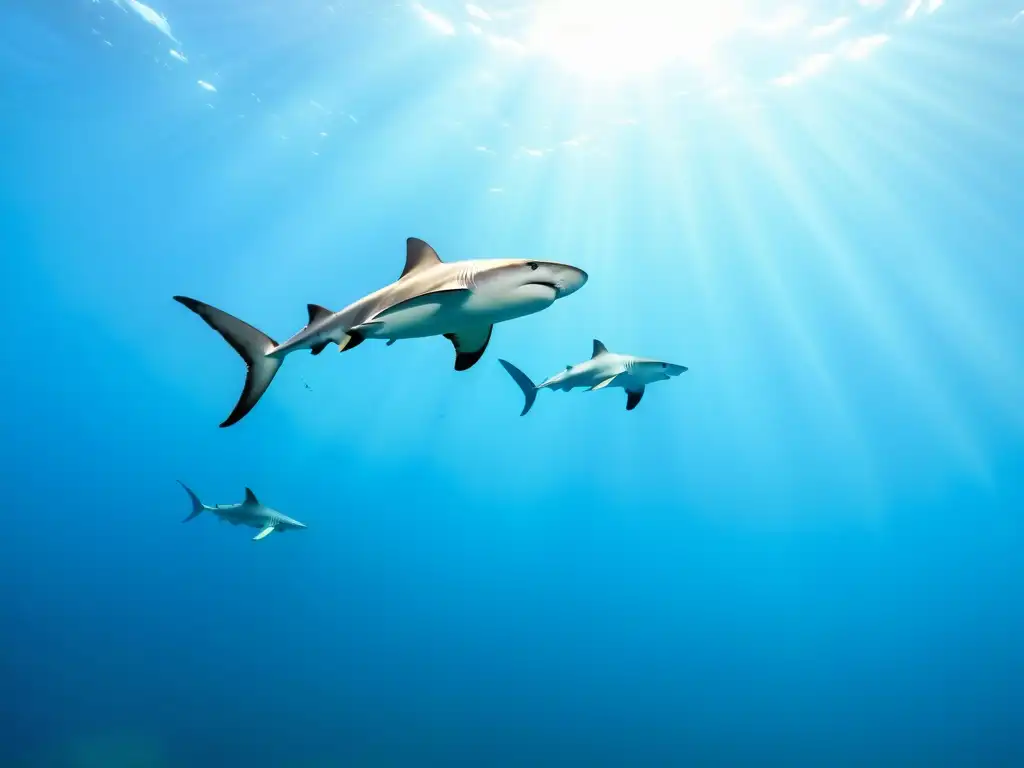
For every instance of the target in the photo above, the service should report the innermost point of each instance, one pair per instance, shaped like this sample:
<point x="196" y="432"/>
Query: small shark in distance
<point x="249" y="512"/>
<point x="603" y="369"/>
<point x="460" y="300"/>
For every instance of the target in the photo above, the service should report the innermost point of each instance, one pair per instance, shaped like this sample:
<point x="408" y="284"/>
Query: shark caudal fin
<point x="251" y="343"/>
<point x="528" y="387"/>
<point x="197" y="505"/>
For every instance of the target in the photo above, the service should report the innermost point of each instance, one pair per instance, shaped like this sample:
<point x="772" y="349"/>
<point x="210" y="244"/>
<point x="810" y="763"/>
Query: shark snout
<point x="568" y="279"/>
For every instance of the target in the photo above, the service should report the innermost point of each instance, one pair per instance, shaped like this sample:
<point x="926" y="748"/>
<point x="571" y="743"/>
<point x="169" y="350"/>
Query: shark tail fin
<point x="251" y="344"/>
<point x="528" y="387"/>
<point x="197" y="505"/>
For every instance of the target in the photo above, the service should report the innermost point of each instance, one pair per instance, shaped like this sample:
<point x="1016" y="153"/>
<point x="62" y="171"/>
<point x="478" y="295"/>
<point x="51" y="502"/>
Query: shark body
<point x="249" y="512"/>
<point x="461" y="301"/>
<point x="603" y="369"/>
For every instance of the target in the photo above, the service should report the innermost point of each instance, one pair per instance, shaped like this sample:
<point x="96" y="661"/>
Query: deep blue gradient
<point x="805" y="551"/>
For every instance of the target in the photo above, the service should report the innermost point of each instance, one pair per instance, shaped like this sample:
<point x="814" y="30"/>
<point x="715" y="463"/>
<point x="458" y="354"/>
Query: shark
<point x="249" y="512"/>
<point x="603" y="369"/>
<point x="459" y="300"/>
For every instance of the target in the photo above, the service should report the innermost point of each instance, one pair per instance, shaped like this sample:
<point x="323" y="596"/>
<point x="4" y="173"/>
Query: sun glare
<point x="611" y="39"/>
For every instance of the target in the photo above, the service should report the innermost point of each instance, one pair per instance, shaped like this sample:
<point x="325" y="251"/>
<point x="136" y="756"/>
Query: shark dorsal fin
<point x="418" y="255"/>
<point x="250" y="497"/>
<point x="316" y="312"/>
<point x="599" y="349"/>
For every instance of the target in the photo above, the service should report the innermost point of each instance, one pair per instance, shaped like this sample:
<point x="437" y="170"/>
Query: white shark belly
<point x="413" y="322"/>
<point x="239" y="518"/>
<point x="629" y="382"/>
<point x="589" y="379"/>
<point x="588" y="375"/>
<point x="483" y="308"/>
<point x="452" y="312"/>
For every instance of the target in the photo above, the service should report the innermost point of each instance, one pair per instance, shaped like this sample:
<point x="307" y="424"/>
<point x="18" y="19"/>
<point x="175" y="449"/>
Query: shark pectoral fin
<point x="264" y="533"/>
<point x="603" y="384"/>
<point x="633" y="397"/>
<point x="469" y="345"/>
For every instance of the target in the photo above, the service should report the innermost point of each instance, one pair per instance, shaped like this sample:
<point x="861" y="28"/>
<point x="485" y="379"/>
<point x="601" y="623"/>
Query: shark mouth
<point x="552" y="286"/>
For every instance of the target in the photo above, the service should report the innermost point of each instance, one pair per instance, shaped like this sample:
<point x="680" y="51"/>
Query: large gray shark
<point x="603" y="369"/>
<point x="461" y="301"/>
<point x="249" y="512"/>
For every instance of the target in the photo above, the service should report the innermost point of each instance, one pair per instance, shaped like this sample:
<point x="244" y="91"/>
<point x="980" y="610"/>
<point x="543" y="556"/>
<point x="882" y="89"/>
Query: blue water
<point x="804" y="551"/>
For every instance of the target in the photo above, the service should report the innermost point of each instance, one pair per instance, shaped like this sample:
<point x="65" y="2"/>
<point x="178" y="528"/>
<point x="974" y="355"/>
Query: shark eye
<point x="664" y="365"/>
<point x="532" y="265"/>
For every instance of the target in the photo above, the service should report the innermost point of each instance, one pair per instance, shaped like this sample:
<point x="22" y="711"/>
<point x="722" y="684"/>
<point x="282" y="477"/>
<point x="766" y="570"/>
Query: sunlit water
<point x="805" y="550"/>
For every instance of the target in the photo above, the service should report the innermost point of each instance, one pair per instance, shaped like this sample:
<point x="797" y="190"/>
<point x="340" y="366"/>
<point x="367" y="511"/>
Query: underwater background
<point x="804" y="551"/>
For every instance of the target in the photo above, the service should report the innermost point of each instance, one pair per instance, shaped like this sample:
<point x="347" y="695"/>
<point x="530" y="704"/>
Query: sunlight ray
<point x="866" y="300"/>
<point x="527" y="169"/>
<point x="882" y="98"/>
<point x="947" y="307"/>
<point x="628" y="128"/>
<point x="612" y="41"/>
<point x="690" y="174"/>
<point x="977" y="336"/>
<point x="809" y="352"/>
<point x="900" y="89"/>
<point x="382" y="158"/>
